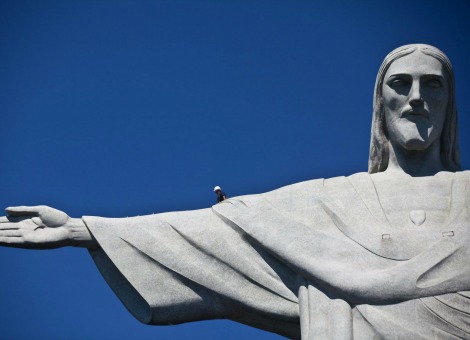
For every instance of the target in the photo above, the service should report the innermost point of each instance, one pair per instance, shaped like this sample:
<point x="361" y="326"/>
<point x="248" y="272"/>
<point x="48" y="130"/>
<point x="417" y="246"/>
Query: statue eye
<point x="398" y="82"/>
<point x="435" y="83"/>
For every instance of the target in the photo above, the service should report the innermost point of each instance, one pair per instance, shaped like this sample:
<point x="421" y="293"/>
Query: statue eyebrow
<point x="440" y="76"/>
<point x="399" y="75"/>
<point x="433" y="75"/>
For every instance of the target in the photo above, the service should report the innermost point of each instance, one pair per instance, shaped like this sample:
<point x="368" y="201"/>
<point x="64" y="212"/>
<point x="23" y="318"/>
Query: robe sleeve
<point x="187" y="266"/>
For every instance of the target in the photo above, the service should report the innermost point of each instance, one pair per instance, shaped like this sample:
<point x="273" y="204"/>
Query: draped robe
<point x="317" y="259"/>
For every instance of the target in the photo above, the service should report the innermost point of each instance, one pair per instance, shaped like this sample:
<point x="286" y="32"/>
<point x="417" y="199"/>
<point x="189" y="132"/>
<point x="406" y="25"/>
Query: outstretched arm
<point x="42" y="227"/>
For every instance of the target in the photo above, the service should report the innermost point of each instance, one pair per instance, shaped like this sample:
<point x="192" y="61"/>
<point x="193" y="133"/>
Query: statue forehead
<point x="416" y="63"/>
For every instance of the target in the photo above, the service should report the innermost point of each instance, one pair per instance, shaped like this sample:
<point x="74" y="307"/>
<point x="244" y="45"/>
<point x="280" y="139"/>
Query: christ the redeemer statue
<point x="383" y="254"/>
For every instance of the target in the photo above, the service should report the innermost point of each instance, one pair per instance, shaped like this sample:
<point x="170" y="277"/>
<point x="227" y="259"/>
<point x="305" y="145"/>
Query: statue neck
<point x="415" y="163"/>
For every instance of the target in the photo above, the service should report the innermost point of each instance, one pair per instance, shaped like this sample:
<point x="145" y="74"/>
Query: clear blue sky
<point x="122" y="108"/>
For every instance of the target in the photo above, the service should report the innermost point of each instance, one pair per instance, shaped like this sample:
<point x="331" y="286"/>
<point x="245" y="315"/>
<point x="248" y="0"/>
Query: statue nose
<point x="415" y="95"/>
<point x="416" y="101"/>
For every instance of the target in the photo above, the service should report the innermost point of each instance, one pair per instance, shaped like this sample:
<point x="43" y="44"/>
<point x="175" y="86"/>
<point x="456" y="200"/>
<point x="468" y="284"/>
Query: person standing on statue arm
<point x="220" y="194"/>
<point x="382" y="254"/>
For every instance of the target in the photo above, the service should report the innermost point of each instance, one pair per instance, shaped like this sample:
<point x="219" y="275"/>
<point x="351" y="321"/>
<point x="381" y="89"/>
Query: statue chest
<point x="399" y="220"/>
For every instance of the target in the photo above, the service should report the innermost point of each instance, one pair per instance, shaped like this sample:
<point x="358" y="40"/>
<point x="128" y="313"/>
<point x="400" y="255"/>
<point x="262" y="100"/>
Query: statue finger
<point x="24" y="210"/>
<point x="12" y="241"/>
<point x="10" y="233"/>
<point x="8" y="226"/>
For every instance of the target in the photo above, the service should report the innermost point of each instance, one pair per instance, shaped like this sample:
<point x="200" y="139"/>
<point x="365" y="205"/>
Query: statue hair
<point x="379" y="147"/>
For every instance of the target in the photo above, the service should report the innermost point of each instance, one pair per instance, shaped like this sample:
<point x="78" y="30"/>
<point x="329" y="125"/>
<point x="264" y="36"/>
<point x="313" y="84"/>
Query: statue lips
<point x="416" y="116"/>
<point x="415" y="112"/>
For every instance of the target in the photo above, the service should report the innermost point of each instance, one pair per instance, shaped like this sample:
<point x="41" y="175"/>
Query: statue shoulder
<point x="314" y="187"/>
<point x="297" y="188"/>
<point x="307" y="193"/>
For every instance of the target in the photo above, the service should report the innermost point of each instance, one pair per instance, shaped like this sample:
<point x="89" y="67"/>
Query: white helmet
<point x="217" y="188"/>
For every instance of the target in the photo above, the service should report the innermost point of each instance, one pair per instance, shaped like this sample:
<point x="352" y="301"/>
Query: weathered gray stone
<point x="383" y="254"/>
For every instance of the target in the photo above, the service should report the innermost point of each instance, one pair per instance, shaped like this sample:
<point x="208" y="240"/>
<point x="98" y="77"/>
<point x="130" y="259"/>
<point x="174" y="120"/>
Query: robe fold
<point x="313" y="260"/>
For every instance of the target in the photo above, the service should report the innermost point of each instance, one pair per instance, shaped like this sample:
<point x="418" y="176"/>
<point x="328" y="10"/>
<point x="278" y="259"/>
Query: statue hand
<point x="42" y="227"/>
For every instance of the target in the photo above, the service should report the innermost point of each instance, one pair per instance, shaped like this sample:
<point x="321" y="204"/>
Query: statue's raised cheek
<point x="393" y="102"/>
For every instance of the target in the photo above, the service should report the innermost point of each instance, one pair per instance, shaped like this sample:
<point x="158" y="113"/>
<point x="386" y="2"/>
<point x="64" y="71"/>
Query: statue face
<point x="415" y="94"/>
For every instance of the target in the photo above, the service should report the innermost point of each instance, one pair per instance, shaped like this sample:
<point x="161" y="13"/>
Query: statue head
<point x="445" y="126"/>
